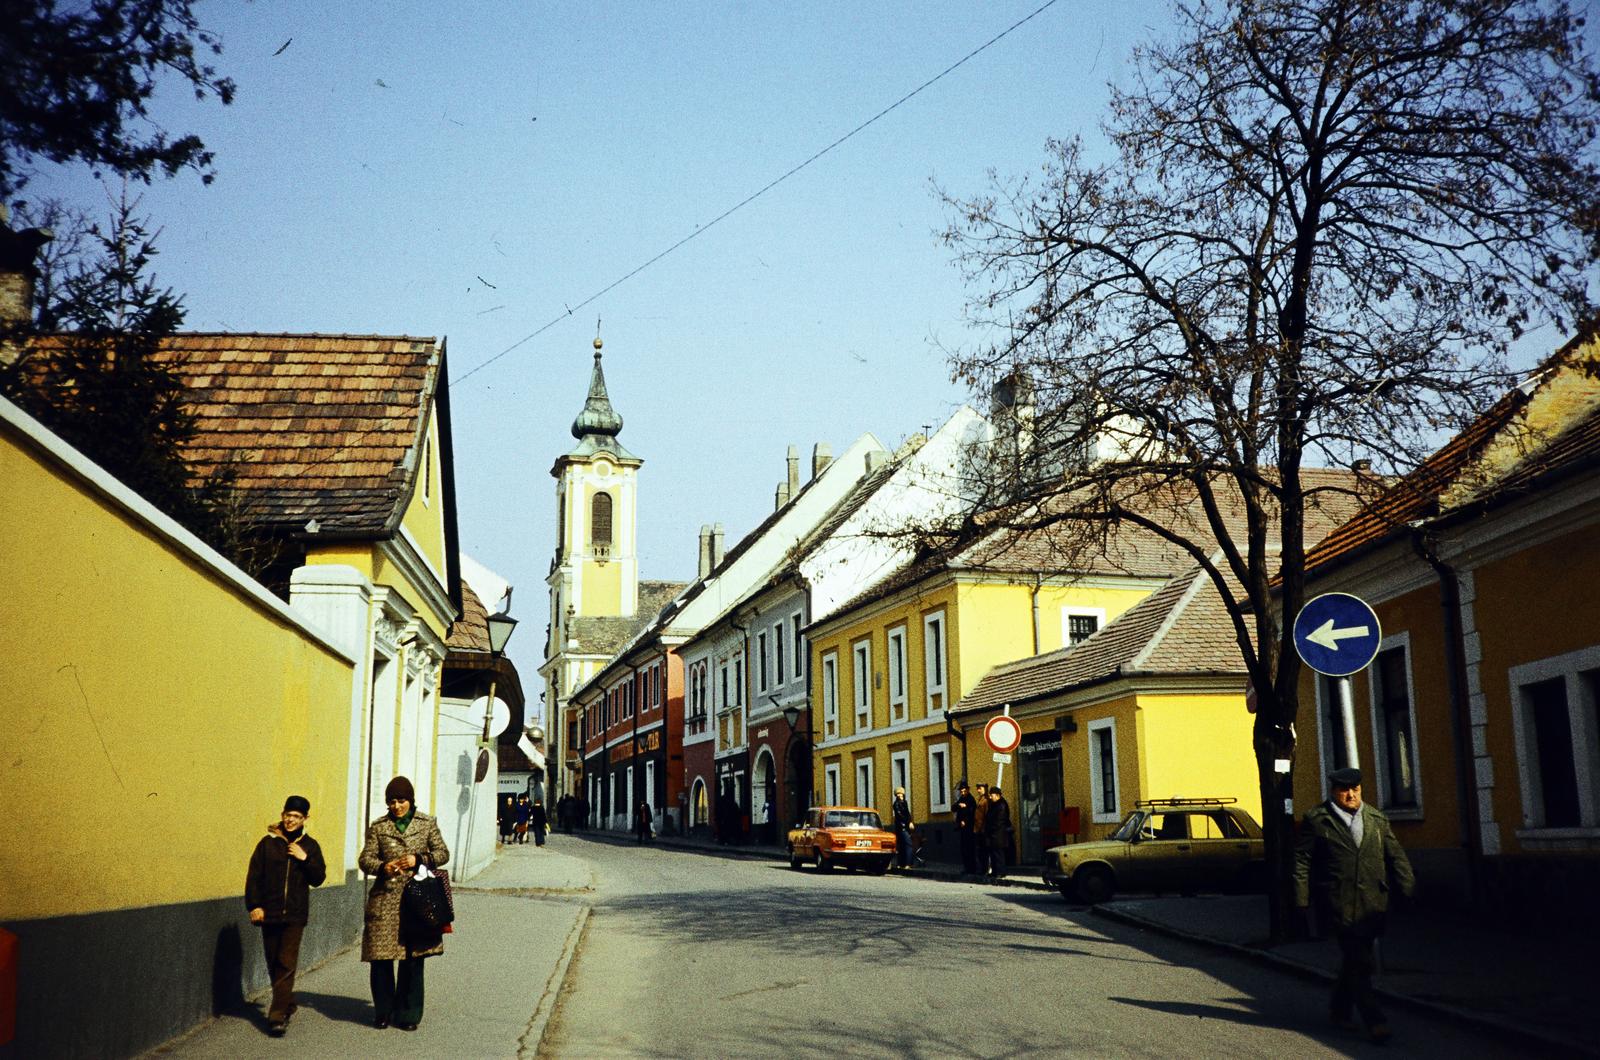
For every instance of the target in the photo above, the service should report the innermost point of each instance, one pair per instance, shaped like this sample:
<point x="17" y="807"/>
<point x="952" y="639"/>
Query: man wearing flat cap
<point x="1347" y="859"/>
<point x="286" y="864"/>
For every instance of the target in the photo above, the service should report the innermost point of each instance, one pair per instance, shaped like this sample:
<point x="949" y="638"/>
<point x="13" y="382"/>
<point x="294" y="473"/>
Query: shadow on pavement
<point x="337" y="1007"/>
<point x="1223" y="1011"/>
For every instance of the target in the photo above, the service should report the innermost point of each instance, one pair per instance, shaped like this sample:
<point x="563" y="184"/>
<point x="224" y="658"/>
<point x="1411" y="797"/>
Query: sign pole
<point x="1347" y="715"/>
<point x="1000" y="767"/>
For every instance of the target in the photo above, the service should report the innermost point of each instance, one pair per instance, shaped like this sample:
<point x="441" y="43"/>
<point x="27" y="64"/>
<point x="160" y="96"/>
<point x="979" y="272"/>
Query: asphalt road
<point x="691" y="955"/>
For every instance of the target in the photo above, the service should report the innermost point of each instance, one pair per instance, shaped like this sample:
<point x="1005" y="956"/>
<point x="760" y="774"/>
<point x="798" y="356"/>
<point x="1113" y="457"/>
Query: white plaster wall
<point x="466" y="810"/>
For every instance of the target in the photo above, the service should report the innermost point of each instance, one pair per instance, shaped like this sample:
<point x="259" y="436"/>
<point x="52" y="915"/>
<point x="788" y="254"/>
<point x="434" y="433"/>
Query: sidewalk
<point x="490" y="994"/>
<point x="1539" y="989"/>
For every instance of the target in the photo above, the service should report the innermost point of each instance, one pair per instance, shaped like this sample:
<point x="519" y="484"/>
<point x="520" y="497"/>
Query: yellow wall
<point x="159" y="714"/>
<point x="1197" y="745"/>
<point x="424" y="518"/>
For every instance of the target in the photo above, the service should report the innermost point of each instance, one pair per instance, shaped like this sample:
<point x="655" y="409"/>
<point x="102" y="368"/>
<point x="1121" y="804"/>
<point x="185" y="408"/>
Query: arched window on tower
<point x="600" y="525"/>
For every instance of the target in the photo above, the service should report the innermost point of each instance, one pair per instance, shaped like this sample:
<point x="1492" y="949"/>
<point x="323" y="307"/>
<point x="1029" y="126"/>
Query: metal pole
<point x="1347" y="714"/>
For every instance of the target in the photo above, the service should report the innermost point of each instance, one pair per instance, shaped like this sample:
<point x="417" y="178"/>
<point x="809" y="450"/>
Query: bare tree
<point x="1322" y="225"/>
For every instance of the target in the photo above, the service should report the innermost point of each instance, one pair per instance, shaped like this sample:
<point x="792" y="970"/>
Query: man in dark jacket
<point x="539" y="822"/>
<point x="966" y="809"/>
<point x="1345" y="858"/>
<point x="997" y="830"/>
<point x="900" y="810"/>
<point x="286" y="864"/>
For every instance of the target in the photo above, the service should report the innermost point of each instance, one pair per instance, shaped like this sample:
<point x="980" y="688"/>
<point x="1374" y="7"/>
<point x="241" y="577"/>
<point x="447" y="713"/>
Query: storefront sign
<point x="643" y="744"/>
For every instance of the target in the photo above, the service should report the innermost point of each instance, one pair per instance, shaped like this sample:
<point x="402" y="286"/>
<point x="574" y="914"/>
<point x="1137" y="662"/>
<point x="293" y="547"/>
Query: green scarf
<point x="400" y="823"/>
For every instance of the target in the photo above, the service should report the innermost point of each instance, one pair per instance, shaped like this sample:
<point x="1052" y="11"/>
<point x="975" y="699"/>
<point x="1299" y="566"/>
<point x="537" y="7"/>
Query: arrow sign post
<point x="1338" y="634"/>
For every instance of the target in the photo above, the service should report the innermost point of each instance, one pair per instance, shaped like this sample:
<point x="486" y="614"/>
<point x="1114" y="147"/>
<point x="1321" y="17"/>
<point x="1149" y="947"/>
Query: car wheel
<point x="1093" y="884"/>
<point x="880" y="868"/>
<point x="794" y="859"/>
<point x="821" y="863"/>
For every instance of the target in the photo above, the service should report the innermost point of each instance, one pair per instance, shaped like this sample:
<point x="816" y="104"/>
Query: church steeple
<point x="598" y="424"/>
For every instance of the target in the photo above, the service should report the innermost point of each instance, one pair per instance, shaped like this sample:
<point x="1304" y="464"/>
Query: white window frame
<point x="936" y="663"/>
<point x="762" y="669"/>
<point x="799" y="646"/>
<point x="939" y="794"/>
<point x="830" y="695"/>
<point x="1380" y="751"/>
<point x="896" y="666"/>
<point x="1069" y="612"/>
<point x="900" y="773"/>
<point x="861" y="683"/>
<point x="866" y="778"/>
<point x="830" y="783"/>
<point x="1096" y="781"/>
<point x="1579" y="671"/>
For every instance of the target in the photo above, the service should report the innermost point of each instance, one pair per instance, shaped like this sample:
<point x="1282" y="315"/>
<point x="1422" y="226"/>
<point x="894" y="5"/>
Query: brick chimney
<point x="18" y="274"/>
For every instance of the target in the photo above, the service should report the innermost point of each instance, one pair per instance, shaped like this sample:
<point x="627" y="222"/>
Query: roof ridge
<point x="367" y="336"/>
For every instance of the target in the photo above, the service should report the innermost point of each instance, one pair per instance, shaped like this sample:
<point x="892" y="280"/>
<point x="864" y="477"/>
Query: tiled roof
<point x="470" y="632"/>
<point x="314" y="426"/>
<point x="1498" y="457"/>
<point x="1182" y="628"/>
<point x="609" y="634"/>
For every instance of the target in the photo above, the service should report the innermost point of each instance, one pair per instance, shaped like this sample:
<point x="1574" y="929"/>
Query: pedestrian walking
<point x="900" y="813"/>
<point x="980" y="837"/>
<point x="284" y="867"/>
<point x="644" y="820"/>
<point x="396" y="844"/>
<point x="524" y="815"/>
<point x="581" y="817"/>
<point x="1346" y="861"/>
<point x="539" y="822"/>
<point x="508" y="818"/>
<point x="966" y="810"/>
<point x="564" y="813"/>
<point x="997" y="828"/>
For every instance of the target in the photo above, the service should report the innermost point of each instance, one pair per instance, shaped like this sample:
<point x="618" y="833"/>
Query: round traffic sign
<point x="1002" y="734"/>
<point x="1337" y="634"/>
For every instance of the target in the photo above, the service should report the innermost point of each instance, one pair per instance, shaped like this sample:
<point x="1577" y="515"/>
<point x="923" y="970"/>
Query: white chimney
<point x="821" y="457"/>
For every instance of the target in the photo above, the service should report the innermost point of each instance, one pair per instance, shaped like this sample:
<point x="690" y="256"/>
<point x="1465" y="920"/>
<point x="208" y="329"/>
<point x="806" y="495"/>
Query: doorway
<point x="1040" y="803"/>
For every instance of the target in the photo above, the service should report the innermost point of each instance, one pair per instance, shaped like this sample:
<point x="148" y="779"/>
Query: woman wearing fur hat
<point x="396" y="844"/>
<point x="286" y="864"/>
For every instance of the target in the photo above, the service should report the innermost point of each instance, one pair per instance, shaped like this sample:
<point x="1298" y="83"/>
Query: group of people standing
<point x="522" y="816"/>
<point x="287" y="863"/>
<point x="983" y="822"/>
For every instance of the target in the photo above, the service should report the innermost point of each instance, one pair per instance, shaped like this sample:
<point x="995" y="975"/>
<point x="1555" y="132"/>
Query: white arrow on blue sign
<point x="1337" y="634"/>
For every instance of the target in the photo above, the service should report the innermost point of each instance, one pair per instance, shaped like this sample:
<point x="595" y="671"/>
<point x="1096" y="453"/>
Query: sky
<point x="476" y="172"/>
<point x="487" y="173"/>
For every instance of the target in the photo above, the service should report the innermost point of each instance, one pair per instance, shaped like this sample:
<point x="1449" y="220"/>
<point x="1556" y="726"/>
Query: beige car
<point x="1172" y="845"/>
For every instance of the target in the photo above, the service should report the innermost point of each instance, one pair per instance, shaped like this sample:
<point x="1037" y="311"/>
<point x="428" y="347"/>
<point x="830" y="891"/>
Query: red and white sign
<point x="1002" y="734"/>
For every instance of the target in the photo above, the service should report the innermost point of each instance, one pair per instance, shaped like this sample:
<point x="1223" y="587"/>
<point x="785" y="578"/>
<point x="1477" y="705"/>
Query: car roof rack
<point x="1185" y="802"/>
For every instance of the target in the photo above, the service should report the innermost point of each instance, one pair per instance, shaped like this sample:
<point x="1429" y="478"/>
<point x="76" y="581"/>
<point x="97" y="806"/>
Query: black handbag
<point x="427" y="901"/>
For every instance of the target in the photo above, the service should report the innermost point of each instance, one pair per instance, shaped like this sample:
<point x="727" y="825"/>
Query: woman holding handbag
<point x="397" y="844"/>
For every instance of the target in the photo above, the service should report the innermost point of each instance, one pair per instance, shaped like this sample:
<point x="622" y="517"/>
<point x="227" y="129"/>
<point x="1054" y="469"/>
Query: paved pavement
<point x="490" y="994"/>
<point x="1538" y="990"/>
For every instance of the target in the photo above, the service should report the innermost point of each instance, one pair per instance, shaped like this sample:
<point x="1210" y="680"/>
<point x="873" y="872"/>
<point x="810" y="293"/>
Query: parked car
<point x="1173" y="845"/>
<point x="849" y="836"/>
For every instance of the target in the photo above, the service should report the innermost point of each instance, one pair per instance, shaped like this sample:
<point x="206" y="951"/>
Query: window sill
<point x="1558" y="835"/>
<point x="1407" y="813"/>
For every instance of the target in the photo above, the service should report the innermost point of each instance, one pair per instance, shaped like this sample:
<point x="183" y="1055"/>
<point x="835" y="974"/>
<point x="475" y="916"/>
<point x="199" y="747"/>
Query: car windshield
<point x="851" y="819"/>
<point x="1128" y="830"/>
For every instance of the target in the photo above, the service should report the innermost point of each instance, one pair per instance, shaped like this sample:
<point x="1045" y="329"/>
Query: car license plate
<point x="863" y="842"/>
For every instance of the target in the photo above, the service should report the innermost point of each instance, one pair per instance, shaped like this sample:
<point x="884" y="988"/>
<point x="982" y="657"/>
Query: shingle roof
<point x="470" y="632"/>
<point x="609" y="634"/>
<point x="1182" y="628"/>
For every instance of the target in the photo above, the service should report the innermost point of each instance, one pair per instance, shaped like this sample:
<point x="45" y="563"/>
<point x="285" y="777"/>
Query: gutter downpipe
<point x="1038" y="581"/>
<point x="1455" y="671"/>
<point x="952" y="729"/>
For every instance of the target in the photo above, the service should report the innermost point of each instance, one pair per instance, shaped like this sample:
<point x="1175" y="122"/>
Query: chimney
<point x="821" y="457"/>
<point x="780" y="496"/>
<point x="18" y="274"/>
<point x="704" y="563"/>
<point x="875" y="459"/>
<point x="793" y="459"/>
<point x="716" y="545"/>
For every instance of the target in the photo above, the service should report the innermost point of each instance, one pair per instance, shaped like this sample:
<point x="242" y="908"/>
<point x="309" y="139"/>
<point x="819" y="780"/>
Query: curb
<point x="1492" y="1024"/>
<point x="531" y="1044"/>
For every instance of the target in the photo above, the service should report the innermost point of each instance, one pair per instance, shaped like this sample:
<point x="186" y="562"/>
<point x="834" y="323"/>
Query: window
<point x="1078" y="624"/>
<point x="861" y="677"/>
<point x="900" y="771"/>
<point x="1557" y="702"/>
<point x="1103" y="770"/>
<point x="830" y="783"/>
<point x="864" y="793"/>
<point x="722" y="672"/>
<point x="1330" y="723"/>
<point x="1394" y="729"/>
<point x="933" y="662"/>
<point x="738" y="680"/>
<point x="897" y="674"/>
<point x="778" y="673"/>
<point x="600" y="521"/>
<point x="799" y="645"/>
<point x="939" y="778"/>
<point x="761" y="662"/>
<point x="427" y="471"/>
<point x="830" y="697"/>
<point x="561" y="530"/>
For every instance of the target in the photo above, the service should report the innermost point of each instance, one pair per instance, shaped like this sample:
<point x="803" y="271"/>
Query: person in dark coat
<point x="524" y="815"/>
<point x="900" y="813"/>
<point x="966" y="810"/>
<point x="284" y="867"/>
<point x="644" y="820"/>
<point x="1346" y="861"/>
<point x="980" y="835"/>
<point x="538" y="822"/>
<point x="396" y="844"/>
<point x="508" y="818"/>
<point x="997" y="830"/>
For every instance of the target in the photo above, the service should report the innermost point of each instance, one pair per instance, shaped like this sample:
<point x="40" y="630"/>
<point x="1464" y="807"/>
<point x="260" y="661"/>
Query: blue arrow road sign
<point x="1337" y="634"/>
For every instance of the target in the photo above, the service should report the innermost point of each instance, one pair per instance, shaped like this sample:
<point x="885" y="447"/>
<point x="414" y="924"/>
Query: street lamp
<point x="791" y="714"/>
<point x="501" y="626"/>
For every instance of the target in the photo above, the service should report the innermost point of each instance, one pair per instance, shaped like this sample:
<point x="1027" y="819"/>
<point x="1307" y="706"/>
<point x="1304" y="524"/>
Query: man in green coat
<point x="1346" y="858"/>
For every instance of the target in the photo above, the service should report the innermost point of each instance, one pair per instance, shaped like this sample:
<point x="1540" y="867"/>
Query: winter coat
<point x="279" y="884"/>
<point x="966" y="813"/>
<point x="1350" y="886"/>
<point x="539" y="819"/>
<point x="997" y="825"/>
<point x="381" y="937"/>
<point x="901" y="811"/>
<point x="980" y="816"/>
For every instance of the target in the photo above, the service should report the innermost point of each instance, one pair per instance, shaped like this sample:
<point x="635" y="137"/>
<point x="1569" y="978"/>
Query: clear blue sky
<point x="470" y="170"/>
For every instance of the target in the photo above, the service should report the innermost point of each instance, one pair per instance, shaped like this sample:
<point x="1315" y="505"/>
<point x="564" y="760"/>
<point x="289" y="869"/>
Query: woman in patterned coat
<point x="396" y="844"/>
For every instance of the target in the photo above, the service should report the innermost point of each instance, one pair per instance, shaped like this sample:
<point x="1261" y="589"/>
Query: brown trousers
<point x="281" y="945"/>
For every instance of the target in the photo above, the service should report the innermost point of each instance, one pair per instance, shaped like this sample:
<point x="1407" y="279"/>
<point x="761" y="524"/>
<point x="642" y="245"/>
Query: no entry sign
<point x="1002" y="734"/>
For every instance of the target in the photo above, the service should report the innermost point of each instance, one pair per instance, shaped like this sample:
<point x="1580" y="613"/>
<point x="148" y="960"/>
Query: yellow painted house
<point x="890" y="667"/>
<point x="1477" y="727"/>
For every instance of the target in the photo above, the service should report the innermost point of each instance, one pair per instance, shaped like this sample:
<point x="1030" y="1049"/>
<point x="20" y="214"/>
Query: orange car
<point x="851" y="836"/>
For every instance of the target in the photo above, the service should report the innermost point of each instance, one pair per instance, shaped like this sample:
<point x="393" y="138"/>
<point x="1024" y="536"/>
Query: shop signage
<point x="642" y="744"/>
